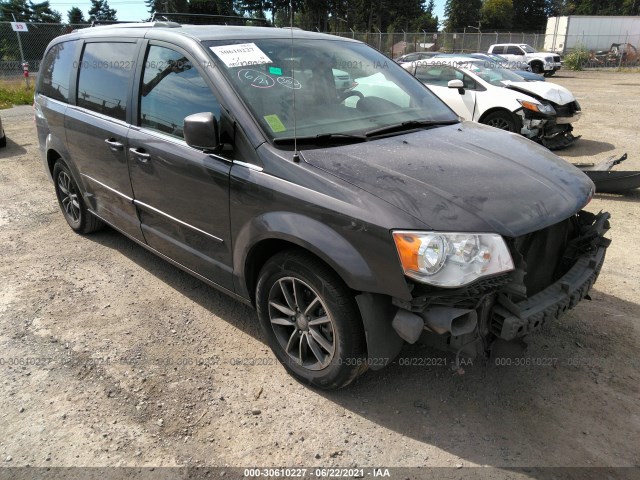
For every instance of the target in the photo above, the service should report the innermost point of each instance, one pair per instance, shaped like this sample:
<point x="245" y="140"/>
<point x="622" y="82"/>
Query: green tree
<point x="167" y="6"/>
<point x="101" y="11"/>
<point x="27" y="11"/>
<point x="497" y="14"/>
<point x="529" y="15"/>
<point x="20" y="8"/>
<point x="462" y="13"/>
<point x="75" y="15"/>
<point x="631" y="7"/>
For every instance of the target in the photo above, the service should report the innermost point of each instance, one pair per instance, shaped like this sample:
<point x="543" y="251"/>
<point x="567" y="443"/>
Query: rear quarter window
<point x="55" y="71"/>
<point x="105" y="73"/>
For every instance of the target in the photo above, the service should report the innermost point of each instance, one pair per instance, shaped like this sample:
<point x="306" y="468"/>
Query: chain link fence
<point x="397" y="44"/>
<point x="29" y="46"/>
<point x="599" y="50"/>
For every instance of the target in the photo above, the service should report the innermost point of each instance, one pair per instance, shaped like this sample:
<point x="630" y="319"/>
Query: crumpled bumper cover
<point x="522" y="318"/>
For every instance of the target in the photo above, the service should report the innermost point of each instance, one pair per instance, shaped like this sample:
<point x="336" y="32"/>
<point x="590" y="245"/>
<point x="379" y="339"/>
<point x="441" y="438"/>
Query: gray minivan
<point x="353" y="222"/>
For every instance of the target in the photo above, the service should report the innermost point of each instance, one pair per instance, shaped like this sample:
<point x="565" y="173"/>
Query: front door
<point x="437" y="78"/>
<point x="181" y="193"/>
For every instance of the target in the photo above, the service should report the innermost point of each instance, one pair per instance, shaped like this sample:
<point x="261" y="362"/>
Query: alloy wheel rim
<point x="500" y="123"/>
<point x="69" y="197"/>
<point x="302" y="324"/>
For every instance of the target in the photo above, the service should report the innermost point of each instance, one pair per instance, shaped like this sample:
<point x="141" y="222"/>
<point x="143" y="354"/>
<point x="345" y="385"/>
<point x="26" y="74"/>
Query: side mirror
<point x="201" y="131"/>
<point x="456" y="84"/>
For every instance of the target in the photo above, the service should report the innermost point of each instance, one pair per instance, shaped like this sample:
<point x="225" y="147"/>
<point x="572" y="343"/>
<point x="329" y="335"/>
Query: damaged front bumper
<point x="553" y="131"/>
<point x="470" y="320"/>
<point x="512" y="319"/>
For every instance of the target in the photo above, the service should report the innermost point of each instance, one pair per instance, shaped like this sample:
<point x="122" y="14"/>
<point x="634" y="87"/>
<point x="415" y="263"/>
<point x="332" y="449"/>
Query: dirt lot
<point x="111" y="357"/>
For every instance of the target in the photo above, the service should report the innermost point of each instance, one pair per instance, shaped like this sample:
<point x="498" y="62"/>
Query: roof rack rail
<point x="134" y="24"/>
<point x="206" y="19"/>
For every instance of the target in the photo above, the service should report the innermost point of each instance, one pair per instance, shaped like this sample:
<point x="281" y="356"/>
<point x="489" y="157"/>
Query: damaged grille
<point x="539" y="255"/>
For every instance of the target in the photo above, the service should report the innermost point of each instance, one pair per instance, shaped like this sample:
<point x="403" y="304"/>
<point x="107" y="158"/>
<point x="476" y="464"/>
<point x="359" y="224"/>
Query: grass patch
<point x="14" y="92"/>
<point x="577" y="59"/>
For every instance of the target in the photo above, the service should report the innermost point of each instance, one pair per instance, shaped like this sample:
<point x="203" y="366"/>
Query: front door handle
<point x="141" y="155"/>
<point x="113" y="144"/>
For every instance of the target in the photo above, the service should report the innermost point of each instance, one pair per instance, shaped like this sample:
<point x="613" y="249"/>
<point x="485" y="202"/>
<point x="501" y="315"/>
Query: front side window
<point x="338" y="87"/>
<point x="54" y="71"/>
<point x="103" y="83"/>
<point x="438" y="75"/>
<point x="513" y="50"/>
<point x="171" y="90"/>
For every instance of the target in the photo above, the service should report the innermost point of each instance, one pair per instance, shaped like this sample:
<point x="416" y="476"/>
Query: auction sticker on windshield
<point x="241" y="55"/>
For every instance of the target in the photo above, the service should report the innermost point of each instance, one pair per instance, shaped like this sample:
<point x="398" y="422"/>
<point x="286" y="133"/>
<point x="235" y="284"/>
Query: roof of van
<point x="203" y="32"/>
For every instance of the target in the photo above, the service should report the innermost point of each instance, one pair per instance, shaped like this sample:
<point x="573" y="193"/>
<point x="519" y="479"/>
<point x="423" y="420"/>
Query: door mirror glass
<point x="201" y="131"/>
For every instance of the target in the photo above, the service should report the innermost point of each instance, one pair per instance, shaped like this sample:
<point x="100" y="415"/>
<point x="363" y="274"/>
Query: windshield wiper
<point x="321" y="139"/>
<point x="409" y="125"/>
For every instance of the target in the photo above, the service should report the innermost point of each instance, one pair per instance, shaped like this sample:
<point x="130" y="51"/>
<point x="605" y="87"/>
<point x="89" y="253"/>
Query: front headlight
<point x="548" y="59"/>
<point x="451" y="259"/>
<point x="543" y="108"/>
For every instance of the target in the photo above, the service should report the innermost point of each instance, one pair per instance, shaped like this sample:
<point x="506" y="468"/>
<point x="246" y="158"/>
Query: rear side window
<point x="105" y="71"/>
<point x="498" y="49"/>
<point x="171" y="90"/>
<point x="54" y="71"/>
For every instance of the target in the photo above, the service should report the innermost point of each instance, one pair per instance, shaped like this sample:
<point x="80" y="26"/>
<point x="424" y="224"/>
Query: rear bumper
<point x="512" y="320"/>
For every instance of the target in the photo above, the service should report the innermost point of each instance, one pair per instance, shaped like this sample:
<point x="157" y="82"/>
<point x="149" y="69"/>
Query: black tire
<point x="71" y="202"/>
<point x="503" y="120"/>
<point x="536" y="67"/>
<point x="3" y="140"/>
<point x="339" y="354"/>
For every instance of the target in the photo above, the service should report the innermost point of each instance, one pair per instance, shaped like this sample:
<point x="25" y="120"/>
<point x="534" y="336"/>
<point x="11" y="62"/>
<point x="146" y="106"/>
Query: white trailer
<point x="593" y="32"/>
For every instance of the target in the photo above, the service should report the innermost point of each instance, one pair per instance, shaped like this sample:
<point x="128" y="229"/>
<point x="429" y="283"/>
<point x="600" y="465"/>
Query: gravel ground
<point x="111" y="357"/>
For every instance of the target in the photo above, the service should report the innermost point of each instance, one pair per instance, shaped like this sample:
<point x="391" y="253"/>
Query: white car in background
<point x="476" y="91"/>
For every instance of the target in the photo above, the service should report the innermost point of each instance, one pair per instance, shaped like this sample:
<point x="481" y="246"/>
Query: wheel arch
<point x="276" y="231"/>
<point x="497" y="110"/>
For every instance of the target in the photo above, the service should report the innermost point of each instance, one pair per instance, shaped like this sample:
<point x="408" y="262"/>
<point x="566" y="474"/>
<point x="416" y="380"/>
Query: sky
<point x="137" y="10"/>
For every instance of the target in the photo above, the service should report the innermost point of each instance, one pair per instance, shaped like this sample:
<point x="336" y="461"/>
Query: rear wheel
<point x="311" y="320"/>
<point x="503" y="120"/>
<point x="71" y="203"/>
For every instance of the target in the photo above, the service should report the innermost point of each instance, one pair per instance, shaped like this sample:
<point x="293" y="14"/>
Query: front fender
<point x="309" y="234"/>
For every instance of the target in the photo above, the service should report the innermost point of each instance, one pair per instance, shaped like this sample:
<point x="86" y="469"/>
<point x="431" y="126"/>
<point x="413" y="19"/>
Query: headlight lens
<point x="451" y="259"/>
<point x="538" y="107"/>
<point x="548" y="59"/>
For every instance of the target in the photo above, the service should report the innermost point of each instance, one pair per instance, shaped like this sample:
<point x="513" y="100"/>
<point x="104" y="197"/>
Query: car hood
<point x="545" y="90"/>
<point x="464" y="177"/>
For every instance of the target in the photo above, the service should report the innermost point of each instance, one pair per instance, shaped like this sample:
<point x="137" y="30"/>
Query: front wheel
<point x="503" y="120"/>
<point x="71" y="202"/>
<point x="311" y="320"/>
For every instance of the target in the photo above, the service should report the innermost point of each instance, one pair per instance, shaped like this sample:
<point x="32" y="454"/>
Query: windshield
<point x="340" y="87"/>
<point x="528" y="48"/>
<point x="494" y="76"/>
